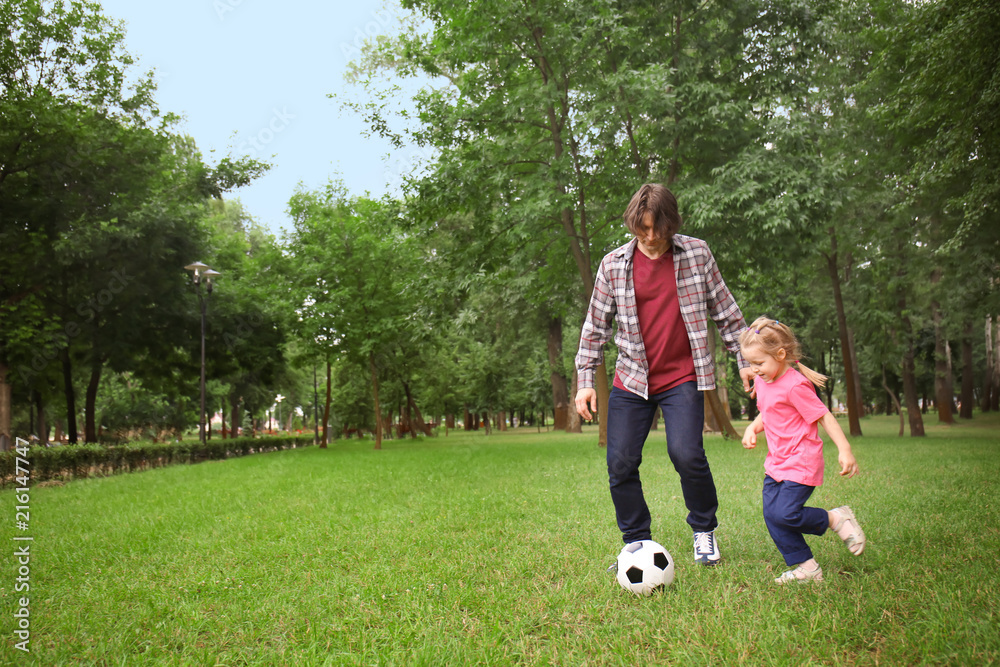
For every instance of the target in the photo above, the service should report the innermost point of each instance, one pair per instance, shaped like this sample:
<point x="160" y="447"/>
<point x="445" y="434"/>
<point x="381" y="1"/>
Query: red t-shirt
<point x="668" y="349"/>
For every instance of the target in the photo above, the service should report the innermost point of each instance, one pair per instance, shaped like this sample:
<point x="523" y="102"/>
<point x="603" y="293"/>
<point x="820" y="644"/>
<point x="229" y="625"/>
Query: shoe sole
<point x="857" y="536"/>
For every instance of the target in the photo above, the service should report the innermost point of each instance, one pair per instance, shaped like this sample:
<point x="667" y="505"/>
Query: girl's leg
<point x="788" y="519"/>
<point x="629" y="419"/>
<point x="844" y="523"/>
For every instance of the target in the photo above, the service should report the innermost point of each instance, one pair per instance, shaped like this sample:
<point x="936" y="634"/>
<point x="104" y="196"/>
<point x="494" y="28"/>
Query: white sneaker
<point x="706" y="548"/>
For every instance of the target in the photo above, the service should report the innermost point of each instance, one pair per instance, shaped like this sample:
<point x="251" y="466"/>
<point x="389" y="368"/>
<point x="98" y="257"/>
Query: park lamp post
<point x="202" y="273"/>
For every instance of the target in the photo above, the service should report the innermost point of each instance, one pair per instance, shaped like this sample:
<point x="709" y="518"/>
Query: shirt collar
<point x="628" y="250"/>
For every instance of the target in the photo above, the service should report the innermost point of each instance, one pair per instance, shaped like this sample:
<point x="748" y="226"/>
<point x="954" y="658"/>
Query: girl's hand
<point x="749" y="438"/>
<point x="848" y="464"/>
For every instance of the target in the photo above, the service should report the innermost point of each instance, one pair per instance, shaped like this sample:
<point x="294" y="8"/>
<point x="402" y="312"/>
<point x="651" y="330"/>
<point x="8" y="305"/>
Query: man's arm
<point x="597" y="329"/>
<point x="727" y="316"/>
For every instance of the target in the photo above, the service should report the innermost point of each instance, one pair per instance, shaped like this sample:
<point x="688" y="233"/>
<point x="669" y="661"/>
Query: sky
<point x="252" y="77"/>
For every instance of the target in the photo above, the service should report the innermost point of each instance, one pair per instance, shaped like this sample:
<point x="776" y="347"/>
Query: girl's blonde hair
<point x="771" y="336"/>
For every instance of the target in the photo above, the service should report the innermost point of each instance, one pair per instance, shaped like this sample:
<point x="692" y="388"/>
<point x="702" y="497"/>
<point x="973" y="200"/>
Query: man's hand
<point x="747" y="376"/>
<point x="586" y="400"/>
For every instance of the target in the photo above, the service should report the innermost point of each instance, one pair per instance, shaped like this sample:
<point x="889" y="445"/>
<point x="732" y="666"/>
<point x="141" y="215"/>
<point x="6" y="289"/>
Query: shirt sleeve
<point x="803" y="396"/>
<point x="722" y="307"/>
<point x="597" y="328"/>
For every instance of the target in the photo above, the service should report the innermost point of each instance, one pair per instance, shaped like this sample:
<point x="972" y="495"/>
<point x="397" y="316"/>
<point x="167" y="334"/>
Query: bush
<point x="80" y="461"/>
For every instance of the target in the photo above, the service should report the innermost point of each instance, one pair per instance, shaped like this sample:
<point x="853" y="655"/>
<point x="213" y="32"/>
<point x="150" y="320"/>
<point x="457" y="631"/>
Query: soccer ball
<point x="644" y="567"/>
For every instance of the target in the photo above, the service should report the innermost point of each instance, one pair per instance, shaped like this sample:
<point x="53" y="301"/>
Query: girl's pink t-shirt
<point x="791" y="411"/>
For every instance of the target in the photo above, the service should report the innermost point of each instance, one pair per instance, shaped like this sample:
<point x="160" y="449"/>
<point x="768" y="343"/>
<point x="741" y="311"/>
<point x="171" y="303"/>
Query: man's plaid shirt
<point x="701" y="293"/>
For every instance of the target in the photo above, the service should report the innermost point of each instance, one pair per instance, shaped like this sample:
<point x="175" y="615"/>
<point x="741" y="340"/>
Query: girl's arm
<point x="750" y="434"/>
<point x="848" y="464"/>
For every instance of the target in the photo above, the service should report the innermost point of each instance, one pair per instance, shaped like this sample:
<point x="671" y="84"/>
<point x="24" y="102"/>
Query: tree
<point x="62" y="80"/>
<point x="357" y="271"/>
<point x="553" y="112"/>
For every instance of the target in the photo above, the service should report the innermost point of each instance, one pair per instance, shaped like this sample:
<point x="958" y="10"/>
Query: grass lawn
<point x="470" y="549"/>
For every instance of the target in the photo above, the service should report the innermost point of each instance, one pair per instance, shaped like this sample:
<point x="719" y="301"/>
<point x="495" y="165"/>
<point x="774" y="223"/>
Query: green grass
<point x="492" y="550"/>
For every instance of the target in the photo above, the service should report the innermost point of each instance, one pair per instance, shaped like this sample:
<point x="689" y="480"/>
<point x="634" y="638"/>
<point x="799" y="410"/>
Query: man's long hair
<point x="658" y="200"/>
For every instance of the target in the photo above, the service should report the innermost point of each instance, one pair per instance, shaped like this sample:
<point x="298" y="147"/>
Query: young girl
<point x="789" y="413"/>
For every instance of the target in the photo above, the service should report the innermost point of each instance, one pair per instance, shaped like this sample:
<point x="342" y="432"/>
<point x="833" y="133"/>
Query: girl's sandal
<point x="800" y="575"/>
<point x="849" y="530"/>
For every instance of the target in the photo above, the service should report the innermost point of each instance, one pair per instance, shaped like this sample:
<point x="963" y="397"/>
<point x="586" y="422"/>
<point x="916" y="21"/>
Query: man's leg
<point x="683" y="420"/>
<point x="629" y="419"/>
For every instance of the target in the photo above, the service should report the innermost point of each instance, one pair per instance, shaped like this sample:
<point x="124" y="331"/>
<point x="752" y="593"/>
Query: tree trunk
<point x="710" y="425"/>
<point x="858" y="392"/>
<point x="910" y="393"/>
<point x="968" y="380"/>
<point x="716" y="415"/>
<point x="560" y="392"/>
<point x="995" y="385"/>
<point x="715" y="405"/>
<point x="43" y="427"/>
<point x="90" y="403"/>
<point x="378" y="407"/>
<point x="71" y="432"/>
<point x="853" y="417"/>
<point x="827" y="388"/>
<point x="985" y="402"/>
<point x="6" y="434"/>
<point x="942" y="383"/>
<point x="574" y="423"/>
<point x="234" y="417"/>
<point x="326" y="405"/>
<point x="895" y="400"/>
<point x="417" y="416"/>
<point x="910" y="375"/>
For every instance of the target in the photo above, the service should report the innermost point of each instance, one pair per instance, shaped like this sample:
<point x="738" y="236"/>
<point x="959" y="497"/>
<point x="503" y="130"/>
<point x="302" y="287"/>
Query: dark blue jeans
<point x="629" y="419"/>
<point x="787" y="518"/>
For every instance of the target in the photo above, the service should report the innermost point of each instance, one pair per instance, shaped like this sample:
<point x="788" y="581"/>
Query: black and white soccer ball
<point x="644" y="567"/>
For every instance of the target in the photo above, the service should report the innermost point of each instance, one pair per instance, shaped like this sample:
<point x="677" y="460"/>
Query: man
<point x="661" y="298"/>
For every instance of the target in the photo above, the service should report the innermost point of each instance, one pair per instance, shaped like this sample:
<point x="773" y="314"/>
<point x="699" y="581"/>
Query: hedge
<point x="66" y="462"/>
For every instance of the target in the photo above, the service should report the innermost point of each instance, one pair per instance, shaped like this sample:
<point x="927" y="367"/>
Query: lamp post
<point x="202" y="273"/>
